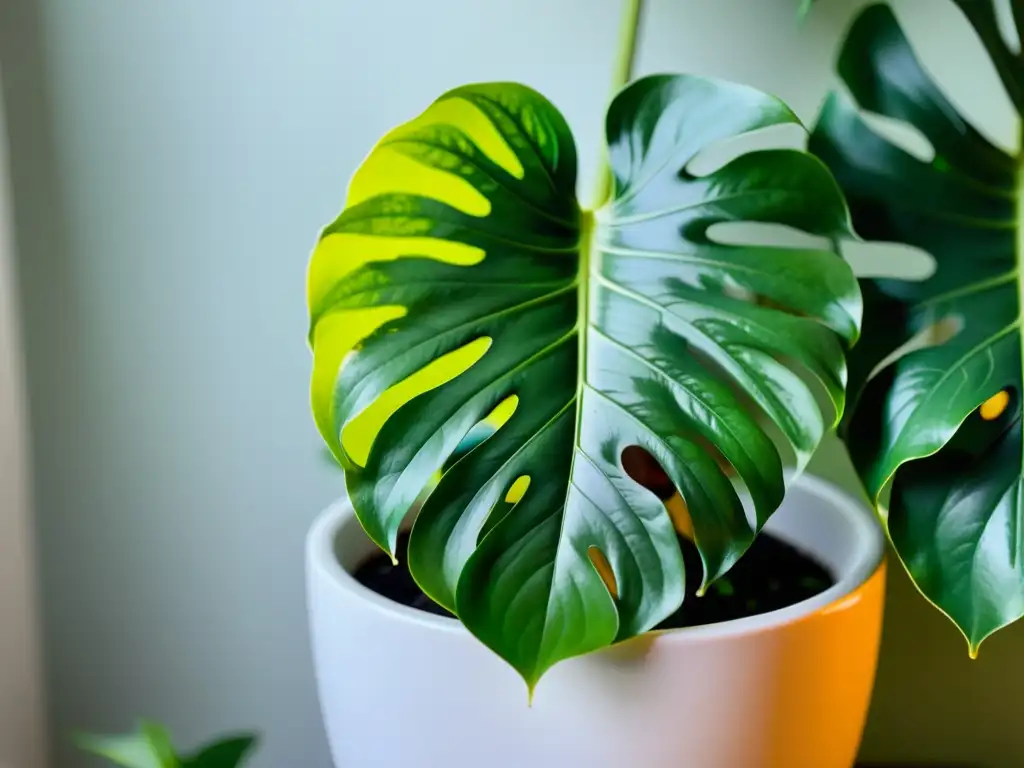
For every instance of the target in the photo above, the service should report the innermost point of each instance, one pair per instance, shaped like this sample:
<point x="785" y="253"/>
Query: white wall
<point x="22" y="743"/>
<point x="174" y="160"/>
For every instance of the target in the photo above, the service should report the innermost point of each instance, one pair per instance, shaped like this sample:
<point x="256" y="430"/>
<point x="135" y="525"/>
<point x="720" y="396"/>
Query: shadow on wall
<point x="934" y="703"/>
<point x="21" y="709"/>
<point x="23" y="124"/>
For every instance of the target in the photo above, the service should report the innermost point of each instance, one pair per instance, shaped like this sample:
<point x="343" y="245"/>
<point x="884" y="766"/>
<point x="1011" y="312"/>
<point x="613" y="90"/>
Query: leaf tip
<point x="972" y="650"/>
<point x="531" y="678"/>
<point x="389" y="549"/>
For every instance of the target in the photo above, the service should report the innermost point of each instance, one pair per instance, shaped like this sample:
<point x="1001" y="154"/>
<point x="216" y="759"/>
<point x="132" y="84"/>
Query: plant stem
<point x="621" y="75"/>
<point x="628" y="34"/>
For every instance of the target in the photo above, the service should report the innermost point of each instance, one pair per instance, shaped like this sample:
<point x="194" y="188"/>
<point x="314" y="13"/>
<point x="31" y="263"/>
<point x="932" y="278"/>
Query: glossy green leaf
<point x="462" y="287"/>
<point x="954" y="515"/>
<point x="150" y="747"/>
<point x="224" y="753"/>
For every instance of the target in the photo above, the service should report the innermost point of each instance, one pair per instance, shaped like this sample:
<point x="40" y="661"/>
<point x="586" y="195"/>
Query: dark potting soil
<point x="771" y="575"/>
<point x="394" y="581"/>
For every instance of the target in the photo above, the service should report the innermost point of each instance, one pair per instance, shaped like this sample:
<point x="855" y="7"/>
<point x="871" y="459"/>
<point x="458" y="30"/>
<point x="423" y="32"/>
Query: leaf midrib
<point x="588" y="245"/>
<point x="587" y="242"/>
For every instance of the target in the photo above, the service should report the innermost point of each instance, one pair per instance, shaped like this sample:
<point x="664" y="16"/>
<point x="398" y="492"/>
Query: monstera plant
<point x="935" y="422"/>
<point x="464" y="284"/>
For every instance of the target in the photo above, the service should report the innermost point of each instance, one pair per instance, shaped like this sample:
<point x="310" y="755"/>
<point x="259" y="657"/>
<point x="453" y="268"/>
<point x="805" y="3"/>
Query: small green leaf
<point x="226" y="753"/>
<point x="150" y="747"/>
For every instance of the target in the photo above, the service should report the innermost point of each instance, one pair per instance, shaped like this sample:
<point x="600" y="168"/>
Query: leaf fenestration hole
<point x="994" y="407"/>
<point x="512" y="496"/>
<point x="934" y="335"/>
<point x="969" y="79"/>
<point x="795" y="246"/>
<point x="644" y="469"/>
<point x="892" y="260"/>
<point x="483" y="429"/>
<point x="517" y="489"/>
<point x="502" y="412"/>
<point x="679" y="513"/>
<point x="358" y="434"/>
<point x="340" y="254"/>
<point x="901" y="134"/>
<point x="503" y="506"/>
<point x="719" y="154"/>
<point x="1007" y="27"/>
<point x="400" y="163"/>
<point x="480" y="129"/>
<point x="762" y="233"/>
<point x="389" y="170"/>
<point x="604" y="570"/>
<point x="335" y="336"/>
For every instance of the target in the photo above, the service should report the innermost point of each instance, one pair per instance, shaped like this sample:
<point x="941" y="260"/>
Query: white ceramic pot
<point x="786" y="689"/>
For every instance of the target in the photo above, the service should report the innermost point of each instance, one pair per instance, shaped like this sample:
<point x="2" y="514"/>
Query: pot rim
<point x="339" y="520"/>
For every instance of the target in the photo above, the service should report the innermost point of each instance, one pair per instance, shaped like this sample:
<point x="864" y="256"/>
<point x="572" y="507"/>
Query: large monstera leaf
<point x="462" y="284"/>
<point x="941" y="423"/>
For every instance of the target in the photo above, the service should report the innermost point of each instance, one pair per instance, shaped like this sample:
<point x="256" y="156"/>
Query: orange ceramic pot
<point x="786" y="689"/>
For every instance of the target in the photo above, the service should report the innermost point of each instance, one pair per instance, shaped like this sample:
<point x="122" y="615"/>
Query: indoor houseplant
<point x="934" y="426"/>
<point x="587" y="366"/>
<point x="151" y="747"/>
